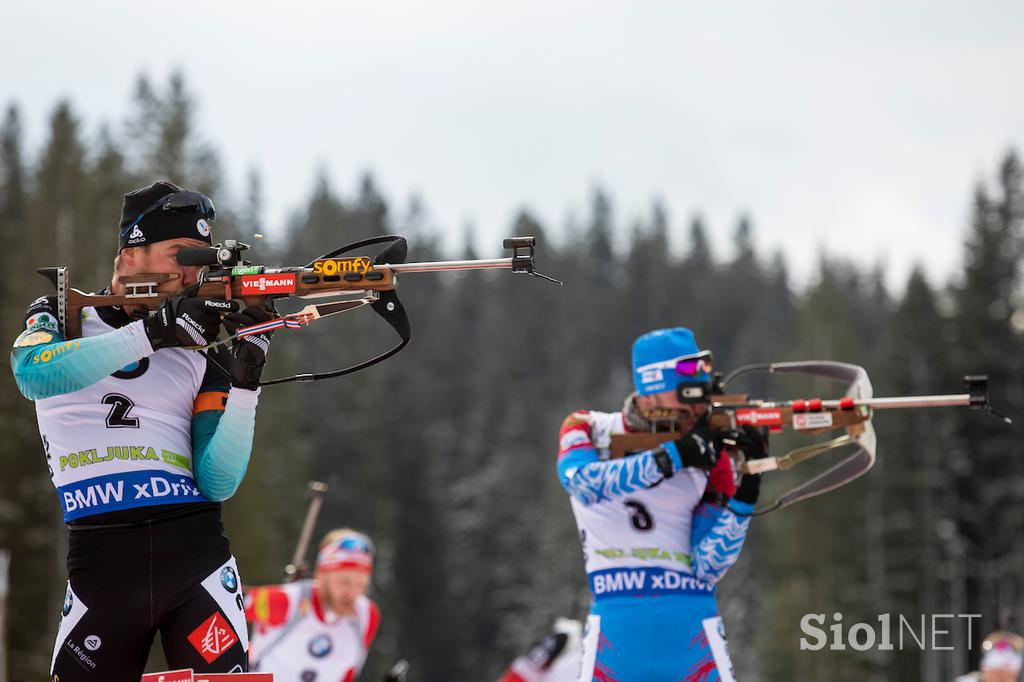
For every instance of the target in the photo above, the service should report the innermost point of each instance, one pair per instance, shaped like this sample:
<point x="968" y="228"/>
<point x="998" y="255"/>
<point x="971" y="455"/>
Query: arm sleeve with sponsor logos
<point x="223" y="422"/>
<point x="46" y="365"/>
<point x="717" y="537"/>
<point x="589" y="479"/>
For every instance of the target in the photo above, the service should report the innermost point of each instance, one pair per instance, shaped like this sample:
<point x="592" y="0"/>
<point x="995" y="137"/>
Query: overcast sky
<point x="855" y="127"/>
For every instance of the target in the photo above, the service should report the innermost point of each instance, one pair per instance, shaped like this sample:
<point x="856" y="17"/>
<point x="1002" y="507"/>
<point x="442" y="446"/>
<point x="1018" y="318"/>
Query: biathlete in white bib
<point x="143" y="440"/>
<point x="318" y="630"/>
<point x="659" y="528"/>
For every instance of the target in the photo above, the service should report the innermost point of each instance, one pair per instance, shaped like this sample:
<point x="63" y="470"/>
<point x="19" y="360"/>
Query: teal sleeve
<point x="222" y="443"/>
<point x="61" y="366"/>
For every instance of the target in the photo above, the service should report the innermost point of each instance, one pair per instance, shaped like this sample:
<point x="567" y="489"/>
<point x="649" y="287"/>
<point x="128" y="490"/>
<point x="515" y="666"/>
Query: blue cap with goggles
<point x="669" y="359"/>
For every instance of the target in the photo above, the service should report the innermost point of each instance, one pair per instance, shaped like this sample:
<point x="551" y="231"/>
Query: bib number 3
<point x="120" y="412"/>
<point x="641" y="518"/>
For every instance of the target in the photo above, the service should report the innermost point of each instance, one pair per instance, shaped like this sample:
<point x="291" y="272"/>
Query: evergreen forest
<point x="445" y="454"/>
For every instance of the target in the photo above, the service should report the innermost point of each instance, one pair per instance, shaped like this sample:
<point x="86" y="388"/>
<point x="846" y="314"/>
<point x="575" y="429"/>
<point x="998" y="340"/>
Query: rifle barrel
<point x="438" y="266"/>
<point x="901" y="402"/>
<point x="951" y="400"/>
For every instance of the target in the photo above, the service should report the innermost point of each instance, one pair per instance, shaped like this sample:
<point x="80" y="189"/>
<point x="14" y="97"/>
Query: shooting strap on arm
<point x="664" y="462"/>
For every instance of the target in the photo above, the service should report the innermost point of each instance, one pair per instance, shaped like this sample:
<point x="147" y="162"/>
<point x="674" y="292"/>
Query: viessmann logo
<point x="759" y="417"/>
<point x="268" y="284"/>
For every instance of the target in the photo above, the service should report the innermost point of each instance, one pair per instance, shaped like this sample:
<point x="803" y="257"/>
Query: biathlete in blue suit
<point x="659" y="528"/>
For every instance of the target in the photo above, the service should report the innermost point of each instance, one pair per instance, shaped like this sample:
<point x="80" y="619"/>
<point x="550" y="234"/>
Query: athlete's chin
<point x="344" y="608"/>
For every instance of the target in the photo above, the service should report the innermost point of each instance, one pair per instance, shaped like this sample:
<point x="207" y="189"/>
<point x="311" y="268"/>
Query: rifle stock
<point x="253" y="285"/>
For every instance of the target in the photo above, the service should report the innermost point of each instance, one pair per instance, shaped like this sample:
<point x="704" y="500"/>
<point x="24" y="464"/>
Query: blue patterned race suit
<point x="653" y="554"/>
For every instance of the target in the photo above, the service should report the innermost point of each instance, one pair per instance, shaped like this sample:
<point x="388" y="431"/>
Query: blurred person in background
<point x="555" y="658"/>
<point x="661" y="527"/>
<point x="319" y="629"/>
<point x="1001" y="659"/>
<point x="144" y="438"/>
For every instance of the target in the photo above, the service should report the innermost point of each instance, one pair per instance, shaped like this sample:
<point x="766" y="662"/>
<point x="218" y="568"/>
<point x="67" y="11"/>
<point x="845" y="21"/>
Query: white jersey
<point x="125" y="441"/>
<point x="298" y="639"/>
<point x="646" y="527"/>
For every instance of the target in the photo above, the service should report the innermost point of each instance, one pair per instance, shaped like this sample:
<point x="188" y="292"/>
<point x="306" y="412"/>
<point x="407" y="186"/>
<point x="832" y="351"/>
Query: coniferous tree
<point x="27" y="506"/>
<point x="161" y="140"/>
<point x="445" y="453"/>
<point x="988" y="478"/>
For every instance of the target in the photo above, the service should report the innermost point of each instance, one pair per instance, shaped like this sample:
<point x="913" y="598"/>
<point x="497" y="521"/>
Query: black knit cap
<point x="159" y="225"/>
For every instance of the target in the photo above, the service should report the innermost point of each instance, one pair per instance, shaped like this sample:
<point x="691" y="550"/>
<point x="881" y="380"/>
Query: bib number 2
<point x="120" y="412"/>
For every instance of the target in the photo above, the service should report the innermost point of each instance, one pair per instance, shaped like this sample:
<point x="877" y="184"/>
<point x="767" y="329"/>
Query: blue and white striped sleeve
<point x="717" y="538"/>
<point x="589" y="479"/>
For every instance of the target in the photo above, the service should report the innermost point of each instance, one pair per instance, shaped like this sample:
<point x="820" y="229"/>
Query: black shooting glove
<point x="249" y="354"/>
<point x="185" y="320"/>
<point x="754" y="444"/>
<point x="699" y="447"/>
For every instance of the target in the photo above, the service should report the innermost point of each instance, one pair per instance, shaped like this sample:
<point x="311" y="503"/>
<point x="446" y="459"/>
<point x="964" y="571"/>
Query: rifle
<point x="350" y="282"/>
<point x="299" y="567"/>
<point x="852" y="413"/>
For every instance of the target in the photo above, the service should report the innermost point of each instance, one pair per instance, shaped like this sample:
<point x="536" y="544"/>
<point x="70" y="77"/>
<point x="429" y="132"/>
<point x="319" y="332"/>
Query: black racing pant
<point x="173" y="575"/>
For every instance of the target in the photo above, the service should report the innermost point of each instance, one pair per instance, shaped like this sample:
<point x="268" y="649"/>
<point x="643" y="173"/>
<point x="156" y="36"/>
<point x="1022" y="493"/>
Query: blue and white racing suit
<point x="653" y="555"/>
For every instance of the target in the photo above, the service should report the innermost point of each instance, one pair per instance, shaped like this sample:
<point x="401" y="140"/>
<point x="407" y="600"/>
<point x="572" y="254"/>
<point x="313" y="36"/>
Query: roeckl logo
<point x="268" y="284"/>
